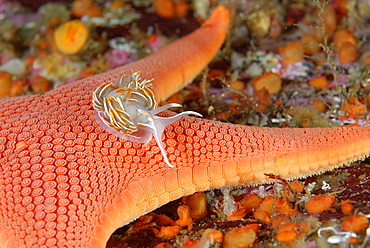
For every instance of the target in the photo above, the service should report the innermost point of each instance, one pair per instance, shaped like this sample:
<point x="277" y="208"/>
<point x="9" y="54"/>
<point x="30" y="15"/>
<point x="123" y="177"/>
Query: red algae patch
<point x="5" y="83"/>
<point x="270" y="81"/>
<point x="41" y="85"/>
<point x="293" y="53"/>
<point x="164" y="8"/>
<point x="184" y="216"/>
<point x="286" y="236"/>
<point x="310" y="44"/>
<point x="320" y="203"/>
<point x="209" y="237"/>
<point x="268" y="204"/>
<point x="88" y="8"/>
<point x="239" y="238"/>
<point x="288" y="233"/>
<point x="283" y="206"/>
<point x="18" y="87"/>
<point x="347" y="53"/>
<point x="170" y="8"/>
<point x="249" y="203"/>
<point x="168" y="232"/>
<point x="163" y="245"/>
<point x="343" y="36"/>
<point x="354" y="107"/>
<point x="330" y="18"/>
<point x="262" y="216"/>
<point x="117" y="4"/>
<point x="319" y="82"/>
<point x="347" y="207"/>
<point x="80" y="6"/>
<point x="355" y="223"/>
<point x="197" y="204"/>
<point x="237" y="85"/>
<point x="319" y="105"/>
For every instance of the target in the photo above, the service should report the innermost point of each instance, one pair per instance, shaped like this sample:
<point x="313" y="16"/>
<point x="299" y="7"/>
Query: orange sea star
<point x="65" y="182"/>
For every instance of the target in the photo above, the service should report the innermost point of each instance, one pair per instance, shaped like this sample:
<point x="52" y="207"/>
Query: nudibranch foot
<point x="128" y="110"/>
<point x="157" y="126"/>
<point x="139" y="136"/>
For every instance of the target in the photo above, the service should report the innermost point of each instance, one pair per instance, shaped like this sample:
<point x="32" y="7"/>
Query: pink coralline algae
<point x="119" y="57"/>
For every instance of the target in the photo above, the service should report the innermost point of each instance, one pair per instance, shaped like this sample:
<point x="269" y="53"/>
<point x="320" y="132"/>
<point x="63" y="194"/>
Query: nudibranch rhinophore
<point x="128" y="108"/>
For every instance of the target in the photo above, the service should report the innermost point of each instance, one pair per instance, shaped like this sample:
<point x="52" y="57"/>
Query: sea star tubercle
<point x="65" y="182"/>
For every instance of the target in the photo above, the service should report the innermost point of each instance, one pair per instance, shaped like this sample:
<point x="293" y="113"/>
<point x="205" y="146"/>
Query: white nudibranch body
<point x="127" y="109"/>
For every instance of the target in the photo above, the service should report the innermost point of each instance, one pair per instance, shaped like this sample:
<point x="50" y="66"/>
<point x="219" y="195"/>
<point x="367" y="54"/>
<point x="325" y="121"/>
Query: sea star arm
<point x="176" y="65"/>
<point x="210" y="154"/>
<point x="60" y="170"/>
<point x="66" y="182"/>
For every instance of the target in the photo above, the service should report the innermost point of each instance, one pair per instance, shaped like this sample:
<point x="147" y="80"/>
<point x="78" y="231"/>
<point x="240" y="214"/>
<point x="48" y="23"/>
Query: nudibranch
<point x="128" y="110"/>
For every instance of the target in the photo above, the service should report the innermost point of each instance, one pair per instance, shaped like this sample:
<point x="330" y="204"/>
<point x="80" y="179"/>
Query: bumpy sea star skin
<point x="65" y="181"/>
<point x="63" y="178"/>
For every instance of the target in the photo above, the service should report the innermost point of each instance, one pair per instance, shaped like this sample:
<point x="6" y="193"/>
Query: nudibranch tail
<point x="128" y="110"/>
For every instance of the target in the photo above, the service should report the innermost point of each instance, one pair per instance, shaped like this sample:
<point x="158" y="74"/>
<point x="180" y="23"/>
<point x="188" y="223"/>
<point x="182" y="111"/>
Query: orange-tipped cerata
<point x="65" y="182"/>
